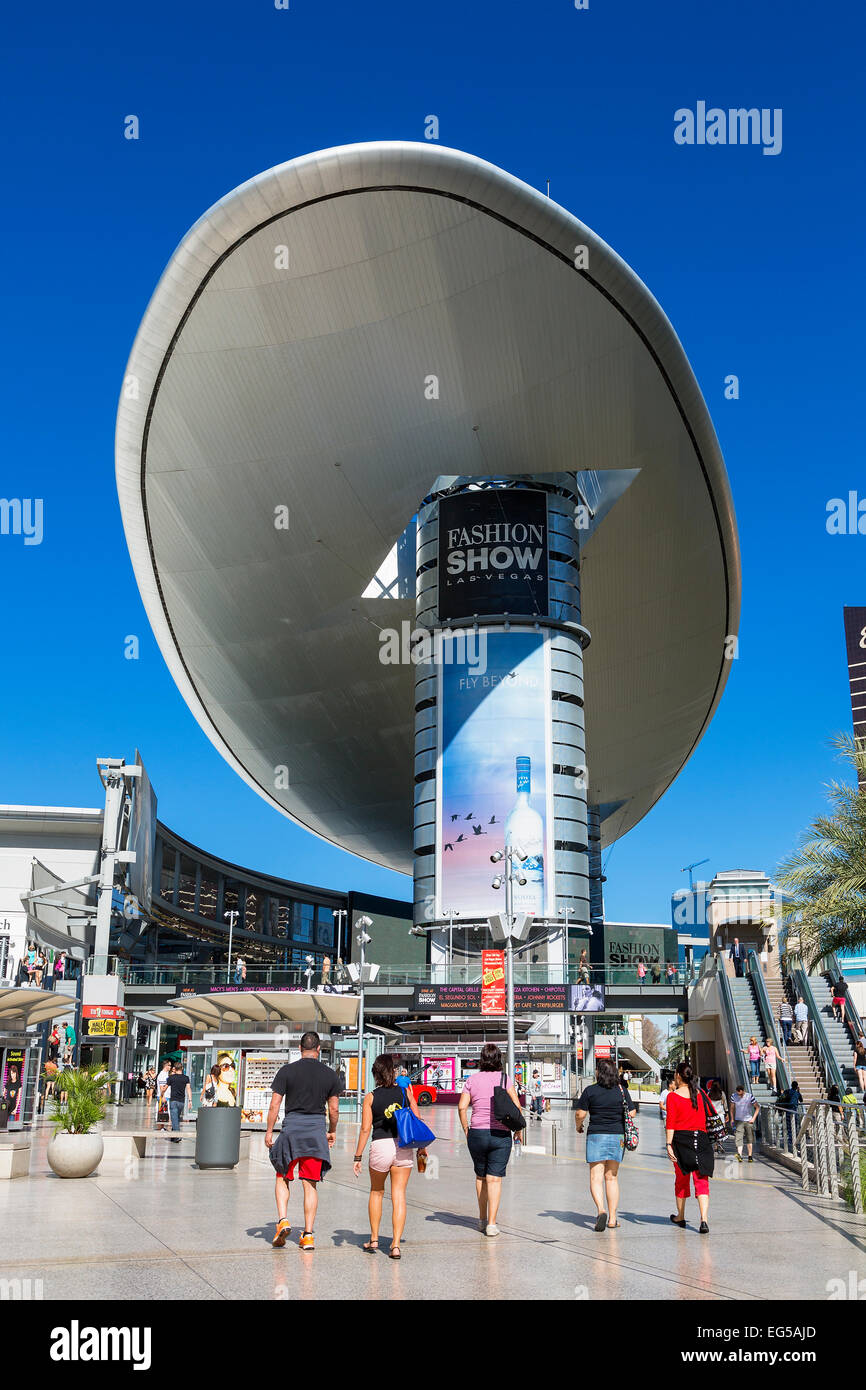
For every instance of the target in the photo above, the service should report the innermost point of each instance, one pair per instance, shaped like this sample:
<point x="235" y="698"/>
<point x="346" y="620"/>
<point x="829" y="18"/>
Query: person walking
<point x="179" y="1093"/>
<point x="791" y="1105"/>
<point x="306" y="1139"/>
<point x="641" y="971"/>
<point x="403" y="1078"/>
<point x="753" y="1052"/>
<point x="240" y="970"/>
<point x="770" y="1058"/>
<point x="605" y="1105"/>
<point x="840" y="999"/>
<point x="536" y="1095"/>
<point x="786" y="1021"/>
<point x="688" y="1145"/>
<point x="489" y="1141"/>
<point x="583" y="968"/>
<point x="860" y="1063"/>
<point x="801" y="1020"/>
<point x="326" y="973"/>
<point x="671" y="973"/>
<point x="163" y="1118"/>
<point x="737" y="954"/>
<point x="387" y="1155"/>
<point x="744" y="1113"/>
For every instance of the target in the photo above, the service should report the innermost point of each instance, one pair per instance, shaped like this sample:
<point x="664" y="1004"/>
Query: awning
<point x="20" y="1007"/>
<point x="208" y="1011"/>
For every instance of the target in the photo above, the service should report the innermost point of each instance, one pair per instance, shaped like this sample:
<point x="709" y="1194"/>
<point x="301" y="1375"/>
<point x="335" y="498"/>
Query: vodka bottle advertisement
<point x="494" y="776"/>
<point x="524" y="833"/>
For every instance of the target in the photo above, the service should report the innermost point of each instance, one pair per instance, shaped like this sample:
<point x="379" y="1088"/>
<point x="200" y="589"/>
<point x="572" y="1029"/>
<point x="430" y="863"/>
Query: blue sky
<point x="757" y="260"/>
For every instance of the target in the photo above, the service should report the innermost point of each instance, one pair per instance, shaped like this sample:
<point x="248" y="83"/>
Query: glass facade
<point x="278" y="922"/>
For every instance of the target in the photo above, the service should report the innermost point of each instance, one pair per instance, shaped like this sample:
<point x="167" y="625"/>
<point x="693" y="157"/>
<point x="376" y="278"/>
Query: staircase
<point x="749" y="1025"/>
<point x="838" y="1034"/>
<point x="802" y="1064"/>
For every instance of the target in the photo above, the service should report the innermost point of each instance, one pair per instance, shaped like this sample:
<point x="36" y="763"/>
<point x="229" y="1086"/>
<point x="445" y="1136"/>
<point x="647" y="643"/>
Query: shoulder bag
<point x="632" y="1133"/>
<point x="715" y="1124"/>
<point x="412" y="1133"/>
<point x="504" y="1110"/>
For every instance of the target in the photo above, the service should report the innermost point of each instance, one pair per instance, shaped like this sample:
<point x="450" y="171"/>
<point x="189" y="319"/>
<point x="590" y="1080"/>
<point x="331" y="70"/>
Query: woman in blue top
<point x="605" y="1104"/>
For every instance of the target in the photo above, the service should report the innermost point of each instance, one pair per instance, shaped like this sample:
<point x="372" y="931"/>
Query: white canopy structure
<point x="22" y="1006"/>
<point x="211" y="1012"/>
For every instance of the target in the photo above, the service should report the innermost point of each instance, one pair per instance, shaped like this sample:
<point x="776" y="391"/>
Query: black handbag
<point x="504" y="1109"/>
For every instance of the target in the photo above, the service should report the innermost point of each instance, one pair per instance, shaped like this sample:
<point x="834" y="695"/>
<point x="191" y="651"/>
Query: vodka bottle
<point x="524" y="830"/>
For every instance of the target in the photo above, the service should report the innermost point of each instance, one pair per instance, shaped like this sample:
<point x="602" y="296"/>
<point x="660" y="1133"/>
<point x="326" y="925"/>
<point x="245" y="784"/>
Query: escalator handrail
<point x="766" y="1019"/>
<point x="826" y="1056"/>
<point x="741" y="1076"/>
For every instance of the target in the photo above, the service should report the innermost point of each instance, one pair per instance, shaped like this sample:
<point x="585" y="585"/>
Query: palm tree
<point x="824" y="880"/>
<point x="677" y="1049"/>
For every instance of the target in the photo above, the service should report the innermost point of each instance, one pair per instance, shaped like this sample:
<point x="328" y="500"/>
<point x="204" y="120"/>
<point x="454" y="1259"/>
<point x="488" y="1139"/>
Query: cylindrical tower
<point x="498" y="571"/>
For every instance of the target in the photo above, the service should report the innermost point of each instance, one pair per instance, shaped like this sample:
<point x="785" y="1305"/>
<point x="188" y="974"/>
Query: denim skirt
<point x="604" y="1147"/>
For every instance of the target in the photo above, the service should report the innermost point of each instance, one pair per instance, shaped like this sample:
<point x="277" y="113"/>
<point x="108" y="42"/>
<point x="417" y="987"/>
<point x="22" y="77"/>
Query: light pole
<point x="309" y="972"/>
<point x="231" y="917"/>
<point x="510" y="853"/>
<point x="451" y="913"/>
<point x="363" y="941"/>
<point x="338" y="914"/>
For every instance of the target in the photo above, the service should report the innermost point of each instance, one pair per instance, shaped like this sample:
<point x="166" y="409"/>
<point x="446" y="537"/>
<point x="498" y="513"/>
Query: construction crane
<point x="687" y="869"/>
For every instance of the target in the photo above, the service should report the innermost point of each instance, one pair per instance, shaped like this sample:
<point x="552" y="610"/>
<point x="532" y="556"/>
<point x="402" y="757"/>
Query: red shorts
<point x="309" y="1168"/>
<point x="682" y="1185"/>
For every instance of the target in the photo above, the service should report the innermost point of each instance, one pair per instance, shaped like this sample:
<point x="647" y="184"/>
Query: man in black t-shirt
<point x="178" y="1086"/>
<point x="304" y="1142"/>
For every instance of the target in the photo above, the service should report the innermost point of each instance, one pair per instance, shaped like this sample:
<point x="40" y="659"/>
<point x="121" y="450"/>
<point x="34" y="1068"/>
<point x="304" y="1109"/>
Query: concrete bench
<point x="121" y="1145"/>
<point x="14" y="1155"/>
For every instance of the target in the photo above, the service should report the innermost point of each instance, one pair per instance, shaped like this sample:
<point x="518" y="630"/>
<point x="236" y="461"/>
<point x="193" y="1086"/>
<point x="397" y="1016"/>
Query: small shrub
<point x="80" y="1097"/>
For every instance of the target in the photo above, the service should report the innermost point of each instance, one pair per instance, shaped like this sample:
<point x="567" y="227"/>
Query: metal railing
<point x="817" y="1035"/>
<point x="827" y="1143"/>
<point x="767" y="1021"/>
<point x="275" y="976"/>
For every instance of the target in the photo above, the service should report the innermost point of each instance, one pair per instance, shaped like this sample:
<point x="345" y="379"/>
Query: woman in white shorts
<point x="386" y="1154"/>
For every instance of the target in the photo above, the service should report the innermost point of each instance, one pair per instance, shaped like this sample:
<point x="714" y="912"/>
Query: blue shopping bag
<point x="412" y="1133"/>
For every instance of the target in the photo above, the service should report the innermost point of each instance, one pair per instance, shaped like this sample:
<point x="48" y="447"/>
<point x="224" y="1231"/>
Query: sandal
<point x="371" y="1246"/>
<point x="394" y="1252"/>
<point x="612" y="1225"/>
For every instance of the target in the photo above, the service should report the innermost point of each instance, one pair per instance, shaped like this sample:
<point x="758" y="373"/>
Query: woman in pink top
<point x="769" y="1054"/>
<point x="489" y="1142"/>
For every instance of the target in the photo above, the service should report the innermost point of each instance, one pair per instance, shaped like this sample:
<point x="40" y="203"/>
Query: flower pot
<point x="74" y="1155"/>
<point x="218" y="1136"/>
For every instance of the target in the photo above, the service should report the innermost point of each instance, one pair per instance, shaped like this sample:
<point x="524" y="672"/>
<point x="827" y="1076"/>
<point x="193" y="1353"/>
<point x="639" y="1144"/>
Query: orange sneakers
<point x="283" y="1229"/>
<point x="307" y="1241"/>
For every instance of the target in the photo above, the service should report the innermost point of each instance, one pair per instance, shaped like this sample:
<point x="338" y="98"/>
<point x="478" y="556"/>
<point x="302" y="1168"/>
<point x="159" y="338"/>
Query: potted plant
<point x="80" y="1098"/>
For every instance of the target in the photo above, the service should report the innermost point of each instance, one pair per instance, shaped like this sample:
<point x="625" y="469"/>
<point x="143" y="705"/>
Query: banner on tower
<point x="493" y="553"/>
<point x="494" y="782"/>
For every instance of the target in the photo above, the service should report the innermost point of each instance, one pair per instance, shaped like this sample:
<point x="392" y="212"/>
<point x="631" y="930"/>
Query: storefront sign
<point x="439" y="1072"/>
<point x="466" y="999"/>
<point x="13" y="1081"/>
<point x="493" y="554"/>
<point x="493" y="982"/>
<point x="104" y="1020"/>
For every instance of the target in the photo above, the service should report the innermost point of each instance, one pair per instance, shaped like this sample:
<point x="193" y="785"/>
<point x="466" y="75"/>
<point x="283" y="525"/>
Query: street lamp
<point x="231" y="917"/>
<point x="509" y="855"/>
<point x="450" y="913"/>
<point x="309" y="961"/>
<point x="338" y="914"/>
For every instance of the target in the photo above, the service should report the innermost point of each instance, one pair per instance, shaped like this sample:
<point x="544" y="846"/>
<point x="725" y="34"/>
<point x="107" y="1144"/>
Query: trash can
<point x="218" y="1136"/>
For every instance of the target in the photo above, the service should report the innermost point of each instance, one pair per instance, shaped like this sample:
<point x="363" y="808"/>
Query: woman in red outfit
<point x="688" y="1144"/>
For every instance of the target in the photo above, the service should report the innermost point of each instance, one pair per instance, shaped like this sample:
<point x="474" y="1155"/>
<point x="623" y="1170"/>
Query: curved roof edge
<point x="331" y="173"/>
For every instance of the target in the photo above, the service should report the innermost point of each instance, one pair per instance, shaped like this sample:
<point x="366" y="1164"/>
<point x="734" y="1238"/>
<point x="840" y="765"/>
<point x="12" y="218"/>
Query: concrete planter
<point x="218" y="1136"/>
<point x="74" y="1155"/>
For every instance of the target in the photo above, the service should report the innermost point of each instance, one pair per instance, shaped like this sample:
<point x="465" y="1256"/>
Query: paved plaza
<point x="167" y="1230"/>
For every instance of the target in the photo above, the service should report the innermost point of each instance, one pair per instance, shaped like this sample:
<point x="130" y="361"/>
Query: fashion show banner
<point x="493" y="554"/>
<point x="494" y="785"/>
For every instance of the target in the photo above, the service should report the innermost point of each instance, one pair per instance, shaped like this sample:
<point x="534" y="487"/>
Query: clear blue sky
<point x="757" y="260"/>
